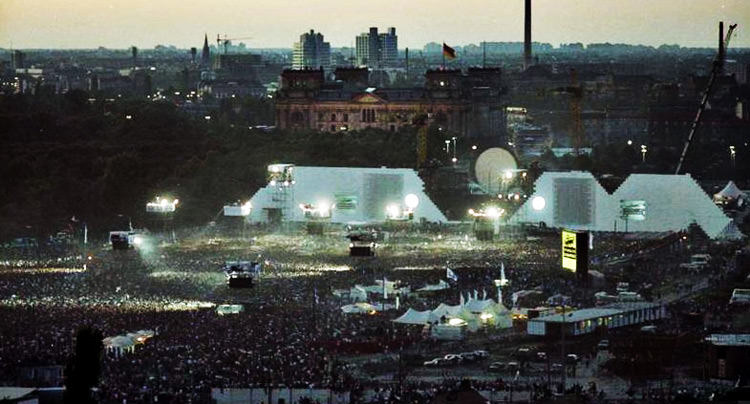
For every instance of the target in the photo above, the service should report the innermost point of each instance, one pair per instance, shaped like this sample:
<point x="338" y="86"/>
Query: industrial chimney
<point x="722" y="54"/>
<point x="527" y="36"/>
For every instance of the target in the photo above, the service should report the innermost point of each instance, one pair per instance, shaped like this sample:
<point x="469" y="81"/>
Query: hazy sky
<point x="145" y="23"/>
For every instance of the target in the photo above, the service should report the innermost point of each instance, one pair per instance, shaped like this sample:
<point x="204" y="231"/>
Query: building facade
<point x="468" y="104"/>
<point x="375" y="49"/>
<point x="311" y="52"/>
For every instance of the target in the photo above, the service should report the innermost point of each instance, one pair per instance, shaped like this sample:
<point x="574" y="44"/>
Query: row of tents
<point x="474" y="312"/>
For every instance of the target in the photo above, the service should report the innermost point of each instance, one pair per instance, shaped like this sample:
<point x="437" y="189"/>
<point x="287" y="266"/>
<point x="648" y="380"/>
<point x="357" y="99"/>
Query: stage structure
<point x="125" y="239"/>
<point x="238" y="213"/>
<point x="281" y="186"/>
<point x="642" y="203"/>
<point x="486" y="222"/>
<point x="356" y="195"/>
<point x="162" y="211"/>
<point x="316" y="216"/>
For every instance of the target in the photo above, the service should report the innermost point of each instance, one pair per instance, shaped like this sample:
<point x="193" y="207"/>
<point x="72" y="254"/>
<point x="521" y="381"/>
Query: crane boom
<point x="715" y="70"/>
<point x="225" y="41"/>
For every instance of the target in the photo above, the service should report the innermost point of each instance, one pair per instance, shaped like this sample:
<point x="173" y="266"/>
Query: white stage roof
<point x="575" y="200"/>
<point x="361" y="195"/>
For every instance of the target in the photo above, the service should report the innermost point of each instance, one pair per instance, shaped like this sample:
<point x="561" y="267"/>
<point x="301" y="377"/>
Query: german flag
<point x="448" y="52"/>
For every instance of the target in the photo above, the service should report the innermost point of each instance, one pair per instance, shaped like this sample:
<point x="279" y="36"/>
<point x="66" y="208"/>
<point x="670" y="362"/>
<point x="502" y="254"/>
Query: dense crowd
<point x="292" y="330"/>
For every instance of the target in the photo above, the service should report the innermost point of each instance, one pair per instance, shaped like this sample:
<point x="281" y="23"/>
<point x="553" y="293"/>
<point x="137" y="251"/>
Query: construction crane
<point x="225" y="41"/>
<point x="716" y="70"/>
<point x="420" y="120"/>
<point x="576" y="92"/>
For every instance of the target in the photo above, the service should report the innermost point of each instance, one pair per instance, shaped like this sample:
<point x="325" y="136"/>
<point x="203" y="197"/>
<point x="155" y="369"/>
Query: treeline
<point x="69" y="155"/>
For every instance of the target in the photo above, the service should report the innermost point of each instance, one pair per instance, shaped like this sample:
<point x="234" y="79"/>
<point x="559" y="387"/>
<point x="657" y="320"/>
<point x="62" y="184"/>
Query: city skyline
<point x="34" y="24"/>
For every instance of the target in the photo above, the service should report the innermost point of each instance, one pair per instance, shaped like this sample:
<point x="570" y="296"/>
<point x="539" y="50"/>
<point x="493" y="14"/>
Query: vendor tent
<point x="416" y="317"/>
<point x="446" y="310"/>
<point x="359" y="308"/>
<point x="358" y="293"/>
<point x="119" y="345"/>
<point x="441" y="285"/>
<point x="730" y="192"/>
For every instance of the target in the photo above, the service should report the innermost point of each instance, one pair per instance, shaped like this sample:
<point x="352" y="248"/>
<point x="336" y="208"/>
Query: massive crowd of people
<point x="292" y="332"/>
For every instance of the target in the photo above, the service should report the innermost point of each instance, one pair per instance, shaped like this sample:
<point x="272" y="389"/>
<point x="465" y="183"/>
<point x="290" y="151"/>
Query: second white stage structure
<point x="643" y="203"/>
<point x="350" y="194"/>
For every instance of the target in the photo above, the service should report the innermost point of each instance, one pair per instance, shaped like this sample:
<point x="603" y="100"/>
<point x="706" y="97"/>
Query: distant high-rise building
<point x="311" y="52"/>
<point x="206" y="54"/>
<point x="377" y="50"/>
<point x="18" y="60"/>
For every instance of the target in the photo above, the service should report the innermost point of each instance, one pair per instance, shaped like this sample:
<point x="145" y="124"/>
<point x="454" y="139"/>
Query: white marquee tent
<point x="474" y="312"/>
<point x="729" y="193"/>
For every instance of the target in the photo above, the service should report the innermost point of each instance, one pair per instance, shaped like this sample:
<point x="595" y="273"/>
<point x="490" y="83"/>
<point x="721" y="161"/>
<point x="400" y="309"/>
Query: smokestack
<point x="527" y="36"/>
<point x="721" y="41"/>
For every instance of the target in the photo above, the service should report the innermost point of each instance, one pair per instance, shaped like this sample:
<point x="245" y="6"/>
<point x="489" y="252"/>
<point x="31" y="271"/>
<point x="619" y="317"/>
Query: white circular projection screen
<point x="491" y="165"/>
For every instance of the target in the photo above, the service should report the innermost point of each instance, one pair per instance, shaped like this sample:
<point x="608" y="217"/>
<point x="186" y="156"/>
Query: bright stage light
<point x="324" y="208"/>
<point x="493" y="213"/>
<point x="456" y="322"/>
<point x="137" y="240"/>
<point x="393" y="211"/>
<point x="246" y="208"/>
<point x="162" y="205"/>
<point x="508" y="175"/>
<point x="411" y="201"/>
<point x="538" y="203"/>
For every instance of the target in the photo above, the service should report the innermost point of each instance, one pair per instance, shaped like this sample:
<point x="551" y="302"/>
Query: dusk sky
<point x="145" y="23"/>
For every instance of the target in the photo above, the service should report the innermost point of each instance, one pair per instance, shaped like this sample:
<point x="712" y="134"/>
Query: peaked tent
<point x="415" y="317"/>
<point x="446" y="310"/>
<point x="730" y="191"/>
<point x="359" y="308"/>
<point x="441" y="285"/>
<point x="478" y="306"/>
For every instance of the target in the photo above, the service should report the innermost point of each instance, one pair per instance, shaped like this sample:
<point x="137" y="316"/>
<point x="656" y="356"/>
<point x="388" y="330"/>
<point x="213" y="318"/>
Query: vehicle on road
<point x="435" y="362"/>
<point x="497" y="367"/>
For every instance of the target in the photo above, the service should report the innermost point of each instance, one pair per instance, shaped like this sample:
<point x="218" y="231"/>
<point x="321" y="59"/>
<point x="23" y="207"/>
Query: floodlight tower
<point x="281" y="179"/>
<point x="241" y="210"/>
<point x="163" y="210"/>
<point x="486" y="222"/>
<point x="316" y="215"/>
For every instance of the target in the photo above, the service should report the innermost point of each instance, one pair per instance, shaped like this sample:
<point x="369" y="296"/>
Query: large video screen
<point x="633" y="210"/>
<point x="378" y="191"/>
<point x="569" y="250"/>
<point x="574" y="201"/>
